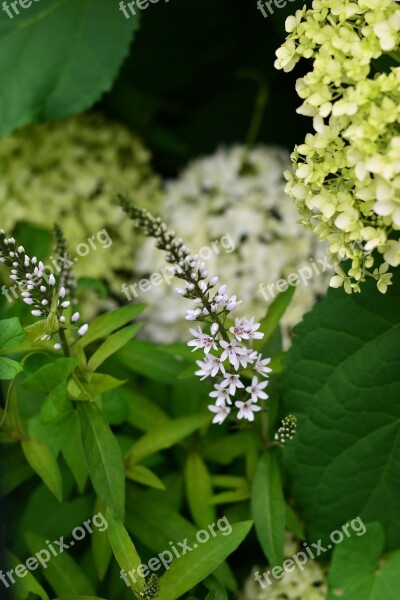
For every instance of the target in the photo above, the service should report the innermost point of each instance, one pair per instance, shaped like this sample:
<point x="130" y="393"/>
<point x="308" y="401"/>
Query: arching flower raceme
<point x="233" y="208"/>
<point x="227" y="350"/>
<point x="346" y="176"/>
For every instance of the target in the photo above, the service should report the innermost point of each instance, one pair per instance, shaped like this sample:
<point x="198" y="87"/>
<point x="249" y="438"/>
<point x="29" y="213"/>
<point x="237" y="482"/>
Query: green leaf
<point x="100" y="383"/>
<point x="231" y="497"/>
<point x="142" y="412"/>
<point x="294" y="524"/>
<point x="69" y="438"/>
<point x="27" y="583"/>
<point x="101" y="547"/>
<point x="81" y="67"/>
<point x="105" y="324"/>
<point x="55" y="404"/>
<point x="50" y="376"/>
<point x="149" y="360"/>
<point x="169" y="525"/>
<point x="103" y="457"/>
<point x="275" y="312"/>
<point x="43" y="461"/>
<point x="268" y="508"/>
<point x="11" y="333"/>
<point x="112" y="344"/>
<point x="359" y="573"/>
<point x="217" y="590"/>
<point x="123" y="549"/>
<point x="199" y="490"/>
<point x="226" y="449"/>
<point x="191" y="568"/>
<point x="9" y="369"/>
<point x="143" y="475"/>
<point x="62" y="572"/>
<point x="342" y="383"/>
<point x="165" y="437"/>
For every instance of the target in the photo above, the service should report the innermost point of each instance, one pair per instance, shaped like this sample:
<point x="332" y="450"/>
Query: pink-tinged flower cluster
<point x="38" y="289"/>
<point x="226" y="357"/>
<point x="226" y="347"/>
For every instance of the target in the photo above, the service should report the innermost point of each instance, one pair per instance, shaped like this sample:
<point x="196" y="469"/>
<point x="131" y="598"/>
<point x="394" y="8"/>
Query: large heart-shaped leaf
<point x="342" y="381"/>
<point x="88" y="41"/>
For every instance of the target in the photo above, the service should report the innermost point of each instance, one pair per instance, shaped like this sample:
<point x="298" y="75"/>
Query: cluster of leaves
<point x="134" y="442"/>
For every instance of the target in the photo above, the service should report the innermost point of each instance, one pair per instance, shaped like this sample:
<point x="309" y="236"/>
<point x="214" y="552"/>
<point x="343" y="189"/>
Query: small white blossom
<point x="247" y="410"/>
<point x="202" y="340"/>
<point x="221" y="394"/>
<point x="221" y="412"/>
<point x="232" y="382"/>
<point x="256" y="389"/>
<point x="82" y="330"/>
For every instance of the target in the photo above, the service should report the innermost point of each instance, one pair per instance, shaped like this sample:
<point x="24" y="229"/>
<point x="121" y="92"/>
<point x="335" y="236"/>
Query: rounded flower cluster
<point x="68" y="173"/>
<point x="346" y="180"/>
<point x="308" y="584"/>
<point x="233" y="209"/>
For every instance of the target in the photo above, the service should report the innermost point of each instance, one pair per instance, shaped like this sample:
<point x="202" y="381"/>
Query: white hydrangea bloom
<point x="308" y="584"/>
<point x="234" y="198"/>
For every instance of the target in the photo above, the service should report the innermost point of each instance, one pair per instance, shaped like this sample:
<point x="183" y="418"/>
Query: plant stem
<point x="64" y="342"/>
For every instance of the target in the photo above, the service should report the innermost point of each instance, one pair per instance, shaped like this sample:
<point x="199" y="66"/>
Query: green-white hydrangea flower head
<point x="346" y="180"/>
<point x="68" y="172"/>
<point x="232" y="209"/>
<point x="308" y="584"/>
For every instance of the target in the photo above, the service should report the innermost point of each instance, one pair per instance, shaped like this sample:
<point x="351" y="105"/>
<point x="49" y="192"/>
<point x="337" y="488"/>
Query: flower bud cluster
<point x="39" y="290"/>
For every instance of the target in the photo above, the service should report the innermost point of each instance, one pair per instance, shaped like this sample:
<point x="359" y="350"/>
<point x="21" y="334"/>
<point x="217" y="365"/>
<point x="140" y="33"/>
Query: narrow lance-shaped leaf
<point x="199" y="490"/>
<point x="43" y="461"/>
<point x="165" y="437"/>
<point x="113" y="344"/>
<point x="124" y="549"/>
<point x="268" y="508"/>
<point x="191" y="568"/>
<point x="103" y="457"/>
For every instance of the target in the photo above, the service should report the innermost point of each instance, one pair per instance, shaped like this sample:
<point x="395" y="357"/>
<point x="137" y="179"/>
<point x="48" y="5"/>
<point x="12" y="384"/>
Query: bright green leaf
<point x="77" y="71"/>
<point x="51" y="375"/>
<point x="27" y="584"/>
<point x="199" y="490"/>
<point x="43" y="461"/>
<point x="359" y="573"/>
<point x="105" y="324"/>
<point x="268" y="508"/>
<point x="165" y="437"/>
<point x="191" y="568"/>
<point x="9" y="369"/>
<point x="11" y="333"/>
<point x="123" y="549"/>
<point x="142" y="412"/>
<point x="112" y="344"/>
<point x="149" y="360"/>
<point x="143" y="475"/>
<point x="103" y="457"/>
<point x="275" y="312"/>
